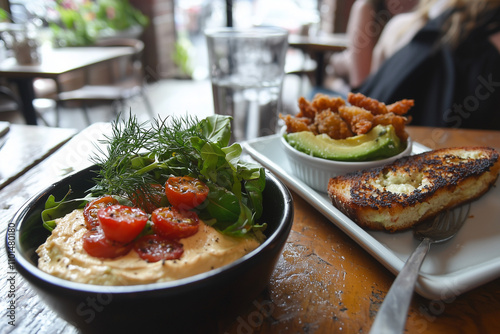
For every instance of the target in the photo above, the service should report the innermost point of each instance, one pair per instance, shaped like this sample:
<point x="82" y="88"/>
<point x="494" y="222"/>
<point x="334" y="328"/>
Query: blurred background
<point x="174" y="59"/>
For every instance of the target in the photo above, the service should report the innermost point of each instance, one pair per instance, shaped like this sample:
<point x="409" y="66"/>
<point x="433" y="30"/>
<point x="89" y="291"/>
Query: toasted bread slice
<point x="395" y="197"/>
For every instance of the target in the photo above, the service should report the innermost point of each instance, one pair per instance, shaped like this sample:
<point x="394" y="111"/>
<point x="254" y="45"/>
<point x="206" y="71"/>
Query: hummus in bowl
<point x="154" y="305"/>
<point x="62" y="255"/>
<point x="147" y="193"/>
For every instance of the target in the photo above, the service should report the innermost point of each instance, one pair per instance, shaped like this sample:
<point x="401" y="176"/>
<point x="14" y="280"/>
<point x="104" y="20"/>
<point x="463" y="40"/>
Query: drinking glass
<point x="246" y="72"/>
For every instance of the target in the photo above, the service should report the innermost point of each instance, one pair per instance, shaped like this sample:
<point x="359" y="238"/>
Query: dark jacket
<point x="457" y="87"/>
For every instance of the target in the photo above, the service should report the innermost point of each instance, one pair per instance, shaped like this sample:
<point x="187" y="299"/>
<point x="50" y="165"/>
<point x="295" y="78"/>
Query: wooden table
<point x="54" y="62"/>
<point x="25" y="146"/>
<point x="323" y="283"/>
<point x="319" y="47"/>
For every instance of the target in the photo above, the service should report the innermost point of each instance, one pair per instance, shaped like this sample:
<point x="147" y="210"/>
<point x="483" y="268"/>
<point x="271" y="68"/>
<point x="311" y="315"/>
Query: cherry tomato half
<point x="185" y="192"/>
<point x="153" y="248"/>
<point x="122" y="223"/>
<point x="91" y="209"/>
<point x="172" y="223"/>
<point x="151" y="199"/>
<point x="96" y="244"/>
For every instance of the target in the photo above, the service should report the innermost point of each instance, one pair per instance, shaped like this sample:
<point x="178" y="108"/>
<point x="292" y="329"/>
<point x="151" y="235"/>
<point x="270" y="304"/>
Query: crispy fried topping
<point x="332" y="116"/>
<point x="332" y="124"/>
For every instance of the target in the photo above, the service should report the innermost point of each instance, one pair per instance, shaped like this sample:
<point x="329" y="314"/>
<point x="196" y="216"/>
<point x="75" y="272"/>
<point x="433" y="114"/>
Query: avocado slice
<point x="379" y="143"/>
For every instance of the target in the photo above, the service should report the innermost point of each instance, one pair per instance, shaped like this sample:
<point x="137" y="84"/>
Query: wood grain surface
<point x="25" y="146"/>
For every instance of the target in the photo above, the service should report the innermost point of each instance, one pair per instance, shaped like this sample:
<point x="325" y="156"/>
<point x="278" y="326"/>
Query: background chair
<point x="126" y="81"/>
<point x="9" y="102"/>
<point x="300" y="64"/>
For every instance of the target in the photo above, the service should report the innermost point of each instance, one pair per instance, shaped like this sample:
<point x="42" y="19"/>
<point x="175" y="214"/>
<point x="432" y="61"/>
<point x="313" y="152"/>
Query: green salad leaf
<point x="55" y="209"/>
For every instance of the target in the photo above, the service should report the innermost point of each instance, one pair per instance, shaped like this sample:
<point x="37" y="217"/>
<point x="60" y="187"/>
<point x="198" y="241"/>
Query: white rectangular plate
<point x="470" y="259"/>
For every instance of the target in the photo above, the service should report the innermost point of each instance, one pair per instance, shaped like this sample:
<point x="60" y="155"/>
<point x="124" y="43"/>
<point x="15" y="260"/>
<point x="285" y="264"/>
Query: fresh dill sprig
<point x="124" y="150"/>
<point x="172" y="143"/>
<point x="138" y="155"/>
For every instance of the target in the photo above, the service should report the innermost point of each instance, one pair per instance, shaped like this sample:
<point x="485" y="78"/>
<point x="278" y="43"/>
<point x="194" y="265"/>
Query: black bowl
<point x="177" y="306"/>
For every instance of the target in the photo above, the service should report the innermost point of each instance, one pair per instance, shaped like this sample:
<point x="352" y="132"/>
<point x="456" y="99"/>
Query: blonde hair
<point x="462" y="21"/>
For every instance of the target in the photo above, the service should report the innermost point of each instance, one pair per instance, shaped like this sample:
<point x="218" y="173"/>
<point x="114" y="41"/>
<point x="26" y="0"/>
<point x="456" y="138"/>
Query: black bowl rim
<point x="284" y="227"/>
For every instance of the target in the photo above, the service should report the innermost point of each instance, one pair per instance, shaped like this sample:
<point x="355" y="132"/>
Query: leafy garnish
<point x="138" y="156"/>
<point x="55" y="209"/>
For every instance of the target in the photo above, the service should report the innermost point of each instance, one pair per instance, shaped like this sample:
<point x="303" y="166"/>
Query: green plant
<point x="4" y="16"/>
<point x="77" y="25"/>
<point x="182" y="56"/>
<point x="119" y="14"/>
<point x="81" y="21"/>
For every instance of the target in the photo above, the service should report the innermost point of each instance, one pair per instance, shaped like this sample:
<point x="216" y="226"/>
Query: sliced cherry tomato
<point x="91" y="209"/>
<point x="185" y="192"/>
<point x="122" y="223"/>
<point x="150" y="199"/>
<point x="172" y="223"/>
<point x="153" y="248"/>
<point x="96" y="244"/>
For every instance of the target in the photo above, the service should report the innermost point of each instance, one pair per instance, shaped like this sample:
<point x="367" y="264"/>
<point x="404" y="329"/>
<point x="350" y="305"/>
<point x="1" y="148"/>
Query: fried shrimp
<point x="332" y="124"/>
<point x="367" y="103"/>
<point x="296" y="124"/>
<point x="398" y="122"/>
<point x="400" y="107"/>
<point x="322" y="102"/>
<point x="306" y="109"/>
<point x="334" y="117"/>
<point x="360" y="120"/>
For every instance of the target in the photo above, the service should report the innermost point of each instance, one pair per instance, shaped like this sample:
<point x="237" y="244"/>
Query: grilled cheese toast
<point x="397" y="196"/>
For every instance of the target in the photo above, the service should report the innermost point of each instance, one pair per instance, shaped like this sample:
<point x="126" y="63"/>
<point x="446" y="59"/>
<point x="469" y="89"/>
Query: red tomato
<point x="171" y="223"/>
<point x="185" y="192"/>
<point x="96" y="244"/>
<point x="122" y="223"/>
<point x="153" y="248"/>
<point x="91" y="209"/>
<point x="150" y="200"/>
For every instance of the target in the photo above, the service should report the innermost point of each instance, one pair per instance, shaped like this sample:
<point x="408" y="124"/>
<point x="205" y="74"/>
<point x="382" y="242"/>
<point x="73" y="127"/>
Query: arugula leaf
<point x="222" y="205"/>
<point x="56" y="209"/>
<point x="211" y="157"/>
<point x="244" y="223"/>
<point x="217" y="129"/>
<point x="254" y="188"/>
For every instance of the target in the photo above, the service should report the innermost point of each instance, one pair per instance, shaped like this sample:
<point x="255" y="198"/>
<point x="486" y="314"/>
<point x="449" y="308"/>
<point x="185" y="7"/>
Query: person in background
<point x="400" y="30"/>
<point x="367" y="20"/>
<point x="445" y="56"/>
